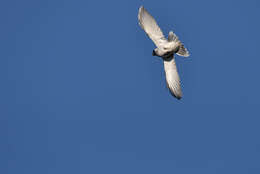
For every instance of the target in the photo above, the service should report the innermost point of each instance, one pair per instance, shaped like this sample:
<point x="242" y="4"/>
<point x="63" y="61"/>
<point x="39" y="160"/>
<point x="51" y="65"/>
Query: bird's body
<point x="166" y="48"/>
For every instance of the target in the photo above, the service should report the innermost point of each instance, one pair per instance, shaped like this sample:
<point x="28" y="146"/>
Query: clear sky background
<point x="81" y="92"/>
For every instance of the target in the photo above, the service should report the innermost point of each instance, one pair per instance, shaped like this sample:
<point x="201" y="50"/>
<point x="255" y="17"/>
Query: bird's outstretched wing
<point x="149" y="25"/>
<point x="172" y="78"/>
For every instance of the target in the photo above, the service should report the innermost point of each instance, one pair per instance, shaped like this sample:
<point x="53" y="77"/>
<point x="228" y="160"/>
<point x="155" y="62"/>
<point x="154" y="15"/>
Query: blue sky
<point x="82" y="93"/>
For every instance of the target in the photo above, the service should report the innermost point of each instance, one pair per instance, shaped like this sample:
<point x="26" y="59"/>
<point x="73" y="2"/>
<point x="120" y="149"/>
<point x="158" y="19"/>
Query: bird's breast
<point x="168" y="55"/>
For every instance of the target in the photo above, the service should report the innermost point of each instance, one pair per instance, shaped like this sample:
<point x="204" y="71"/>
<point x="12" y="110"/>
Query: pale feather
<point x="149" y="25"/>
<point x="172" y="78"/>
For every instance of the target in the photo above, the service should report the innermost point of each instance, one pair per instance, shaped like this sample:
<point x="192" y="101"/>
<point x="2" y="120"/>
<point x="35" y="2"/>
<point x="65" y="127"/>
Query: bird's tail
<point x="182" y="50"/>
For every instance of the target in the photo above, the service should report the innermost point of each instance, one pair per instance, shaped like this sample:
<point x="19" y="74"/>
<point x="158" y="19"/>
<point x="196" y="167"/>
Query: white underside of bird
<point x="166" y="48"/>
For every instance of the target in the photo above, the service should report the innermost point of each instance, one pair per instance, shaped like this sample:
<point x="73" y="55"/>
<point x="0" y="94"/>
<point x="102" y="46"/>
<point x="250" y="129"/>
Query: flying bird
<point x="166" y="48"/>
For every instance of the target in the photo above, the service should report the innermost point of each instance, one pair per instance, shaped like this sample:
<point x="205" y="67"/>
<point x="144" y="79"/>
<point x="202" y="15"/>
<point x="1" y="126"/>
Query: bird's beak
<point x="154" y="54"/>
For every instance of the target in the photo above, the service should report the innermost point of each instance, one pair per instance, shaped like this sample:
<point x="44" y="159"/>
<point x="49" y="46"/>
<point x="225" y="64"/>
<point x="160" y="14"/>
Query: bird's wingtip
<point x="141" y="8"/>
<point x="176" y="96"/>
<point x="140" y="13"/>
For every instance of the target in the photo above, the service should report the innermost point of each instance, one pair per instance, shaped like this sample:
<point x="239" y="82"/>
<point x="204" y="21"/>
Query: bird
<point x="165" y="48"/>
